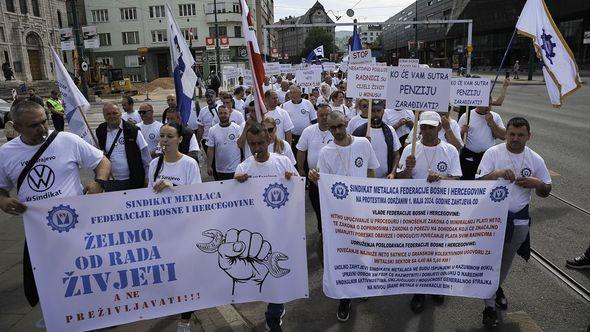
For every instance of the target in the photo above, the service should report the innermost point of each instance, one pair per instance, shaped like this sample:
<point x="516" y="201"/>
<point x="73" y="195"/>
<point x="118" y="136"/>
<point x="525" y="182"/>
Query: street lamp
<point x="336" y="16"/>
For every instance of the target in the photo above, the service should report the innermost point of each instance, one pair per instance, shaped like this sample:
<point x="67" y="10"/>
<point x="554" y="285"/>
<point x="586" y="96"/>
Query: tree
<point x="317" y="37"/>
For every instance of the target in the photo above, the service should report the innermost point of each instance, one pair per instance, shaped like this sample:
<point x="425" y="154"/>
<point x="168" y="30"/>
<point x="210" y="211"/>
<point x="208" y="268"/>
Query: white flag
<point x="74" y="102"/>
<point x="560" y="69"/>
<point x="319" y="51"/>
<point x="185" y="78"/>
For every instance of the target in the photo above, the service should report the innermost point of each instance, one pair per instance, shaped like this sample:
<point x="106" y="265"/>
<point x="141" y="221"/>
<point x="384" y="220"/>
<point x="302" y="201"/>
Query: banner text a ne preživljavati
<point x="384" y="237"/>
<point x="115" y="258"/>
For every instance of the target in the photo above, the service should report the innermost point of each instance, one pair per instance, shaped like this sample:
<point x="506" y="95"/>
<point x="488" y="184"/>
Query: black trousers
<point x="469" y="163"/>
<point x="29" y="279"/>
<point x="223" y="176"/>
<point x="58" y="122"/>
<point x="117" y="185"/>
<point x="314" y="197"/>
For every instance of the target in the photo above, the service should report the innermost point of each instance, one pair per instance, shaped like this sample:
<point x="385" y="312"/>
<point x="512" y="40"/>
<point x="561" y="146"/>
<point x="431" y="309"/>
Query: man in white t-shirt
<point x="526" y="170"/>
<point x="383" y="140"/>
<point x="450" y="132"/>
<point x="223" y="154"/>
<point x="266" y="85"/>
<point x="282" y="119"/>
<point x="234" y="115"/>
<point x="126" y="148"/>
<point x="150" y="128"/>
<point x="205" y="118"/>
<point x="312" y="140"/>
<point x="349" y="156"/>
<point x="434" y="160"/>
<point x="265" y="164"/>
<point x="282" y="91"/>
<point x="55" y="174"/>
<point x="401" y="120"/>
<point x="361" y="118"/>
<point x="238" y="99"/>
<point x="129" y="114"/>
<point x="482" y="131"/>
<point x="301" y="112"/>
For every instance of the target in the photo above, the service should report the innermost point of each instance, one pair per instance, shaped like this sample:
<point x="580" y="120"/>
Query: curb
<point x="223" y="318"/>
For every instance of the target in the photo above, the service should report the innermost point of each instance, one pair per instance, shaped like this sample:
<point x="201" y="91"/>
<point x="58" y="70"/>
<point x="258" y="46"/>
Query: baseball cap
<point x="378" y="103"/>
<point x="429" y="118"/>
<point x="210" y="92"/>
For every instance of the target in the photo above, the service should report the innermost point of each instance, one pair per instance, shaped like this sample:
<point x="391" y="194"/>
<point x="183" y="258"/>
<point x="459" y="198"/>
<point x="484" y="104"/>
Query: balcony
<point x="223" y="17"/>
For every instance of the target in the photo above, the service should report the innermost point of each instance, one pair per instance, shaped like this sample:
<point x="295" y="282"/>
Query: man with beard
<point x="347" y="156"/>
<point x="223" y="147"/>
<point x="301" y="112"/>
<point x="383" y="140"/>
<point x="129" y="115"/>
<point x="205" y="118"/>
<point x="171" y="101"/>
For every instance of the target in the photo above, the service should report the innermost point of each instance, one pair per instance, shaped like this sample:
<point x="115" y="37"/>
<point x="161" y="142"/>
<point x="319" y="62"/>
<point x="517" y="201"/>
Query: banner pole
<point x="468" y="121"/>
<point x="503" y="59"/>
<point x="368" y="135"/>
<point x="414" y="132"/>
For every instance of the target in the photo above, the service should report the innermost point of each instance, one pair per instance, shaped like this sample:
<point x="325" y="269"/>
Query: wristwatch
<point x="102" y="183"/>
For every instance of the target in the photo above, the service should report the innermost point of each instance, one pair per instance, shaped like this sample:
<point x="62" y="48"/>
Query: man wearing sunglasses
<point x="149" y="127"/>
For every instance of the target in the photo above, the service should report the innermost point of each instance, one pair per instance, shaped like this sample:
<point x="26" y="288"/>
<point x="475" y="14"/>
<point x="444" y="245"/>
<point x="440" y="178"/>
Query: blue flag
<point x="357" y="45"/>
<point x="315" y="54"/>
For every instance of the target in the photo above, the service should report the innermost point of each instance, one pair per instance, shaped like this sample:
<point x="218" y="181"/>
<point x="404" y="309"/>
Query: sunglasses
<point x="142" y="112"/>
<point x="270" y="130"/>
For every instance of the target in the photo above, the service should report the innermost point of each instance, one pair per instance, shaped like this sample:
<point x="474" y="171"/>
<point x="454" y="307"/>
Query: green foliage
<point x="316" y="37"/>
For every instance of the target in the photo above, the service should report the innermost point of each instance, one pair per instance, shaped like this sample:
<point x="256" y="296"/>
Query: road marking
<point x="553" y="173"/>
<point x="524" y="321"/>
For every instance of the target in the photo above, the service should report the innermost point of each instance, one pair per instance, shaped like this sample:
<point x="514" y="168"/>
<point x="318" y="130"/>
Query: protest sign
<point x="231" y="73"/>
<point x="119" y="257"/>
<point x="248" y="80"/>
<point x="419" y="89"/>
<point x="272" y="68"/>
<point x="367" y="81"/>
<point x="360" y="56"/>
<point x="329" y="66"/>
<point x="470" y="91"/>
<point x="286" y="68"/>
<point x="385" y="237"/>
<point x="409" y="63"/>
<point x="308" y="78"/>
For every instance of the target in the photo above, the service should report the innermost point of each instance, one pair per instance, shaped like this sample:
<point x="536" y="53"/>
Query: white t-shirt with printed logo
<point x="275" y="166"/>
<point x="133" y="115"/>
<point x="287" y="151"/>
<point x="205" y="119"/>
<point x="480" y="136"/>
<point x="235" y="116"/>
<point x="225" y="142"/>
<point x="118" y="158"/>
<point x="348" y="113"/>
<point x="282" y="121"/>
<point x="352" y="160"/>
<point x="151" y="133"/>
<point x="182" y="172"/>
<point x="55" y="174"/>
<point x="392" y="117"/>
<point x="354" y="123"/>
<point x="312" y="141"/>
<point x="442" y="159"/>
<point x="380" y="147"/>
<point x="301" y="115"/>
<point x="528" y="163"/>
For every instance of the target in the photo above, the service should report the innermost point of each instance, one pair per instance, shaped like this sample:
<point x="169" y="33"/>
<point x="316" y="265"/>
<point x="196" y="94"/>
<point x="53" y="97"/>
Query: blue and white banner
<point x="185" y="78"/>
<point x="115" y="258"/>
<point x="384" y="237"/>
<point x="74" y="102"/>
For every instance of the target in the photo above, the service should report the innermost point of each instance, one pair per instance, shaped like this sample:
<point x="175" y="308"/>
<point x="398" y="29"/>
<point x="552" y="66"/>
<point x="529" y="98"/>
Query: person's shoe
<point x="490" y="317"/>
<point x="344" y="310"/>
<point x="417" y="303"/>
<point x="501" y="301"/>
<point x="580" y="262"/>
<point x="438" y="299"/>
<point x="275" y="324"/>
<point x="183" y="327"/>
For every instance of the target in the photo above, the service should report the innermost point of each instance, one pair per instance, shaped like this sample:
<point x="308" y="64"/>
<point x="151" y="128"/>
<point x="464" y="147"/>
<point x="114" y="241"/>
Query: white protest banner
<point x="317" y="67"/>
<point x="91" y="39"/>
<point x="248" y="81"/>
<point x="329" y="66"/>
<point x="231" y="73"/>
<point x="119" y="257"/>
<point x="360" y="56"/>
<point x="419" y="89"/>
<point x="412" y="237"/>
<point x="66" y="37"/>
<point x="367" y="81"/>
<point x="308" y="78"/>
<point x="382" y="64"/>
<point x="409" y="63"/>
<point x="470" y="91"/>
<point x="272" y="68"/>
<point x="286" y="68"/>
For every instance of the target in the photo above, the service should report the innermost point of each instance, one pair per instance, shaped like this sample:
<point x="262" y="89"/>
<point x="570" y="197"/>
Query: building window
<point x="131" y="61"/>
<point x="130" y="37"/>
<point x="35" y="4"/>
<point x="222" y="31"/>
<point x="159" y="36"/>
<point x="23" y="7"/>
<point x="104" y="60"/>
<point x="59" y="20"/>
<point x="129" y="14"/>
<point x="2" y="36"/>
<point x="64" y="55"/>
<point x="187" y="9"/>
<point x="10" y="6"/>
<point x="220" y="8"/>
<point x="100" y="15"/>
<point x="104" y="39"/>
<point x="238" y="31"/>
<point x="157" y="11"/>
<point x="186" y="32"/>
<point x="236" y="7"/>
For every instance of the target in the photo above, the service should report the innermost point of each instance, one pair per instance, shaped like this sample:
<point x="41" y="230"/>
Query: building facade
<point x="125" y="27"/>
<point x="290" y="41"/>
<point x="28" y="28"/>
<point x="494" y="22"/>
<point x="369" y="34"/>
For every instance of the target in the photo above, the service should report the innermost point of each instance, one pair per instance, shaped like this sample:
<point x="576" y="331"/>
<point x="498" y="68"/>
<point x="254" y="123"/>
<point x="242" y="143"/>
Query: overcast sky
<point x="364" y="10"/>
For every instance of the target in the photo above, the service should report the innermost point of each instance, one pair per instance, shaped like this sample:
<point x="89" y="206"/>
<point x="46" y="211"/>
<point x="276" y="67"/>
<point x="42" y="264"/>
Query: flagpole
<point x="88" y="126"/>
<point x="503" y="59"/>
